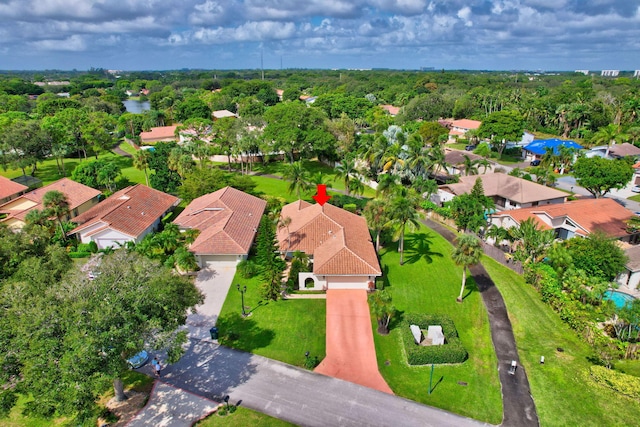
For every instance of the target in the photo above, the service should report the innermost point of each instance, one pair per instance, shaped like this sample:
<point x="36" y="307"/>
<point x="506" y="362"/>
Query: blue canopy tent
<point x="539" y="146"/>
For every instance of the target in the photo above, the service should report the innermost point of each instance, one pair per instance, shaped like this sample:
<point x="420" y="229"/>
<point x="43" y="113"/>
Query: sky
<point x="548" y="35"/>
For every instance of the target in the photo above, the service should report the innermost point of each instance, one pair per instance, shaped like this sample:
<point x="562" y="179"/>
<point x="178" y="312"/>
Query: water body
<point x="136" y="107"/>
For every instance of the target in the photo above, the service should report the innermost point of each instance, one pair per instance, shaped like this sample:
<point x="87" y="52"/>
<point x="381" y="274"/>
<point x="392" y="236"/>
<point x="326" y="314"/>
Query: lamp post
<point x="242" y="291"/>
<point x="226" y="401"/>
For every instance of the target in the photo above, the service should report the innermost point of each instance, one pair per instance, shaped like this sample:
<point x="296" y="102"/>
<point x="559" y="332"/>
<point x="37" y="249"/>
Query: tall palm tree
<point x="469" y="167"/>
<point x="141" y="162"/>
<point x="56" y="204"/>
<point x="387" y="184"/>
<point x="345" y="171"/>
<point x="403" y="213"/>
<point x="532" y="241"/>
<point x="298" y="177"/>
<point x="467" y="252"/>
<point x="377" y="216"/>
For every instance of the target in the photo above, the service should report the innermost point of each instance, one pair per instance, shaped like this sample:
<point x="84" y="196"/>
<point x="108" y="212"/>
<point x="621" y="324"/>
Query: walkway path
<point x="351" y="353"/>
<point x="517" y="403"/>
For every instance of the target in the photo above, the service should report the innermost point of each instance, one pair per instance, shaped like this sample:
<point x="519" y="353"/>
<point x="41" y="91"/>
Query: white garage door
<point x="218" y="261"/>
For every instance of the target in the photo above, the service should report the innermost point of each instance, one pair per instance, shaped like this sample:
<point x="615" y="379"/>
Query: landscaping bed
<point x="451" y="352"/>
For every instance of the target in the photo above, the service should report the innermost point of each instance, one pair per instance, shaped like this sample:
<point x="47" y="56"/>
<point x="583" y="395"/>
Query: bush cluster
<point x="341" y="201"/>
<point x="622" y="383"/>
<point x="451" y="352"/>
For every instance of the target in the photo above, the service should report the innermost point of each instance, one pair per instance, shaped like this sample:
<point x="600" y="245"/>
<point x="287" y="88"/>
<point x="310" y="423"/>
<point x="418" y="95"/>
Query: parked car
<point x="470" y="147"/>
<point x="138" y="359"/>
<point x="636" y="188"/>
<point x="535" y="162"/>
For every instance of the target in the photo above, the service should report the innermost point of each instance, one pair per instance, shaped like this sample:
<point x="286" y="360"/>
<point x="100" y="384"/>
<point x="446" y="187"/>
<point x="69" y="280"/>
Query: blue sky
<point x="231" y="34"/>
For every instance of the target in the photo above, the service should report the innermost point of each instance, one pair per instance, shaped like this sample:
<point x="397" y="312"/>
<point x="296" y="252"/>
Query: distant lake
<point x="136" y="107"/>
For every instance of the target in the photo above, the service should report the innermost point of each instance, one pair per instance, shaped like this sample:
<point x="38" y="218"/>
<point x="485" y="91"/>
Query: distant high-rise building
<point x="636" y="73"/>
<point x="610" y="73"/>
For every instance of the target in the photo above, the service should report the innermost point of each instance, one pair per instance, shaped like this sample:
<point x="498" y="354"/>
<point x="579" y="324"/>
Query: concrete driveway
<point x="215" y="284"/>
<point x="351" y="353"/>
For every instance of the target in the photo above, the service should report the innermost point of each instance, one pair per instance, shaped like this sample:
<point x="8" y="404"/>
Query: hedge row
<point x="79" y="254"/>
<point x="451" y="352"/>
<point x="622" y="383"/>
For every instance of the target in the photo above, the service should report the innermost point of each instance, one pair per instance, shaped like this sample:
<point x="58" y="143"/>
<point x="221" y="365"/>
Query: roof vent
<point x="128" y="207"/>
<point x="141" y="213"/>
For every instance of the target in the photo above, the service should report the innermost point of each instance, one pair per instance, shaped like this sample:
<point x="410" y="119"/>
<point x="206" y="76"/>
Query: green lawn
<point x="561" y="388"/>
<point x="635" y="198"/>
<point x="241" y="418"/>
<point x="282" y="330"/>
<point x="430" y="282"/>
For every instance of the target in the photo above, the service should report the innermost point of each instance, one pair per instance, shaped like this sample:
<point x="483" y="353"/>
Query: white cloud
<point x="73" y="43"/>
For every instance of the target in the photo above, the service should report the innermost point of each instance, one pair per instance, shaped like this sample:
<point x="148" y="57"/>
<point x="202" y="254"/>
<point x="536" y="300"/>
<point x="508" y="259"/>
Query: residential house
<point x="126" y="216"/>
<point x="538" y="148"/>
<point x="80" y="197"/>
<point x="228" y="220"/>
<point x="338" y="243"/>
<point x="9" y="190"/>
<point x="630" y="278"/>
<point x="615" y="151"/>
<point x="507" y="192"/>
<point x="221" y="114"/>
<point x="455" y="161"/>
<point x="459" y="128"/>
<point x="577" y="218"/>
<point x="159" y="134"/>
<point x="393" y="111"/>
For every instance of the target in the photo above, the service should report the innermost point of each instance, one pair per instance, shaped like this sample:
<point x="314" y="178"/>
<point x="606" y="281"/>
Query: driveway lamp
<point x="242" y="291"/>
<point x="226" y="401"/>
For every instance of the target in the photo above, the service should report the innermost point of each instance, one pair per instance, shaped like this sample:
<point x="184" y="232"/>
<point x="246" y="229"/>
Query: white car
<point x="636" y="188"/>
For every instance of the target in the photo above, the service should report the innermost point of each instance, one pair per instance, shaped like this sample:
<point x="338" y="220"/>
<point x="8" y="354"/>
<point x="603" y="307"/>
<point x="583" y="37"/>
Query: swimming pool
<point x="620" y="299"/>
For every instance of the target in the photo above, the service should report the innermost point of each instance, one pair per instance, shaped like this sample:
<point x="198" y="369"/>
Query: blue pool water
<point x="619" y="299"/>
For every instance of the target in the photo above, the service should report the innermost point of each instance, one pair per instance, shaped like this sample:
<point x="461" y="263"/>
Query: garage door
<point x="218" y="261"/>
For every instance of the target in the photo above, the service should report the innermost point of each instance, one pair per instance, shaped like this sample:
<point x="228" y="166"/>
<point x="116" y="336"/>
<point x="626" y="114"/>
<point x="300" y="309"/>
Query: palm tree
<point x="377" y="216"/>
<point x="387" y="184"/>
<point x="467" y="252"/>
<point x="403" y="212"/>
<point x="141" y="162"/>
<point x="345" y="171"/>
<point x="56" y="204"/>
<point x="532" y="240"/>
<point x="469" y="167"/>
<point x="297" y="176"/>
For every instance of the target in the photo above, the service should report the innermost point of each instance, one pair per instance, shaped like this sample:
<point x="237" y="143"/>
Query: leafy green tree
<point x="298" y="176"/>
<point x="191" y="108"/>
<point x="466" y="253"/>
<point x="271" y="264"/>
<point x="599" y="176"/>
<point x="22" y="145"/>
<point x="403" y="213"/>
<point x="383" y="309"/>
<point x="163" y="178"/>
<point x="501" y="127"/>
<point x="432" y="132"/>
<point x="598" y="255"/>
<point x="56" y="204"/>
<point x="141" y="162"/>
<point x="469" y="210"/>
<point x="377" y="216"/>
<point x="71" y="337"/>
<point x="531" y="241"/>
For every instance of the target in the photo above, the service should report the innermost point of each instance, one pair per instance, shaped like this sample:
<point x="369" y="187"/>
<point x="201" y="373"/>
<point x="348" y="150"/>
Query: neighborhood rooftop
<point x="338" y="240"/>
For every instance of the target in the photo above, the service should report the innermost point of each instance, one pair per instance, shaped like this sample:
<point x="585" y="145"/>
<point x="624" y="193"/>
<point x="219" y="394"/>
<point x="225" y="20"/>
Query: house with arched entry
<point x="337" y="242"/>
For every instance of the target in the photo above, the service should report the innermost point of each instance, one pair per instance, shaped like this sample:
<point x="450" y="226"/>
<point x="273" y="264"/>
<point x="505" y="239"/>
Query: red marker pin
<point x="321" y="195"/>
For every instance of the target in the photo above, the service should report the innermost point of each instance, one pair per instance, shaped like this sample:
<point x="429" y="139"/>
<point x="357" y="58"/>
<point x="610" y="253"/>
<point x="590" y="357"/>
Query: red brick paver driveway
<point x="351" y="355"/>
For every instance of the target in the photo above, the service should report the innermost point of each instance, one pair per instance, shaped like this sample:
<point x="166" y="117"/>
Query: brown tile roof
<point x="9" y="188"/>
<point x="130" y="211"/>
<point x="338" y="240"/>
<point x="456" y="157"/>
<point x="77" y="194"/>
<point x="507" y="186"/>
<point x="633" y="253"/>
<point x="159" y="133"/>
<point x="391" y="109"/>
<point x="590" y="215"/>
<point x="623" y="150"/>
<point x="227" y="220"/>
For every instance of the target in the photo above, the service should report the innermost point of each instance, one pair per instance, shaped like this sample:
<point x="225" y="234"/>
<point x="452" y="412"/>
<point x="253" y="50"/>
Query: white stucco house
<point x="630" y="278"/>
<point x="337" y="242"/>
<point x="126" y="216"/>
<point x="228" y="220"/>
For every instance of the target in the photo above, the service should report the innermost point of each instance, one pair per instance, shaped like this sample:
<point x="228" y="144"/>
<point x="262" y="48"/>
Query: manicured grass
<point x="282" y="330"/>
<point x="429" y="282"/>
<point x="635" y="198"/>
<point x="127" y="148"/>
<point x="242" y="417"/>
<point x="561" y="388"/>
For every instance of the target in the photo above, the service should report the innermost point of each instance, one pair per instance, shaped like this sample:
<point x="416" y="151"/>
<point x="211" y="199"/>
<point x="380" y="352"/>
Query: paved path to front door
<point x="351" y="354"/>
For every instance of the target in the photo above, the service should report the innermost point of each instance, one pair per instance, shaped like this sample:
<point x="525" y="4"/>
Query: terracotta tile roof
<point x="159" y="133"/>
<point x="9" y="188"/>
<point x="338" y="240"/>
<point x="130" y="211"/>
<point x="502" y="185"/>
<point x="77" y="194"/>
<point x="623" y="150"/>
<point x="466" y="124"/>
<point x="391" y="109"/>
<point x="590" y="215"/>
<point x="227" y="220"/>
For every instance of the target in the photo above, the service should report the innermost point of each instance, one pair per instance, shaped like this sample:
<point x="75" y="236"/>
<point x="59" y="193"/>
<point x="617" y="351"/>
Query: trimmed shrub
<point x="79" y="254"/>
<point x="341" y="200"/>
<point x="248" y="268"/>
<point x="451" y="352"/>
<point x="622" y="383"/>
<point x="350" y="207"/>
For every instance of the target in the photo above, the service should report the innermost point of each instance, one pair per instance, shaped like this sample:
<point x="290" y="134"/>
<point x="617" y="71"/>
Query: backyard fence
<point x="502" y="257"/>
